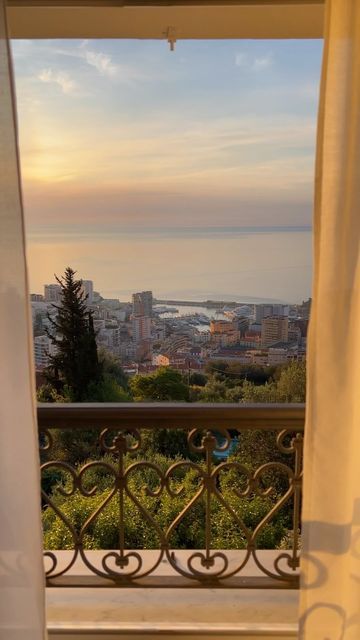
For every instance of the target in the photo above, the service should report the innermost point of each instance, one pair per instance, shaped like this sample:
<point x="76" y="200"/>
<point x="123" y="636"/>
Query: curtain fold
<point x="330" y="590"/>
<point x="22" y="592"/>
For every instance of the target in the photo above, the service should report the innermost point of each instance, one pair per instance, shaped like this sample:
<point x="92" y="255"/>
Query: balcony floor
<point x="132" y="613"/>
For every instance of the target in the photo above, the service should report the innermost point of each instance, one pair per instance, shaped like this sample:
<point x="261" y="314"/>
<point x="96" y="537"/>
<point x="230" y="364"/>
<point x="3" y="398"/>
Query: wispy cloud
<point x="106" y="66"/>
<point x="241" y="60"/>
<point x="254" y="63"/>
<point x="272" y="154"/>
<point x="263" y="63"/>
<point x="101" y="61"/>
<point x="61" y="78"/>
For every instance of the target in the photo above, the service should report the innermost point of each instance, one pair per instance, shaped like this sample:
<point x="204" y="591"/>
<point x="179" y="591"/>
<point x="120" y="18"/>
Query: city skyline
<point x="145" y="335"/>
<point x="50" y="292"/>
<point x="130" y="151"/>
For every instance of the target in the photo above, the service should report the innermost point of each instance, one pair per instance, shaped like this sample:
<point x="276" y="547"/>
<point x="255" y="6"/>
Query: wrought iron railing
<point x="246" y="501"/>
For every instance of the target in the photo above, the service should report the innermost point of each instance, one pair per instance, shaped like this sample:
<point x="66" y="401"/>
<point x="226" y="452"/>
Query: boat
<point x="162" y="309"/>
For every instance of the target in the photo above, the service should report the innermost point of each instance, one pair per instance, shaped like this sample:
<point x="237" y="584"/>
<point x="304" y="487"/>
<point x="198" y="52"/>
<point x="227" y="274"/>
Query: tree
<point x="106" y="390"/>
<point x="263" y="393"/>
<point x="198" y="379"/>
<point x="233" y="373"/>
<point x="214" y="391"/>
<point x="217" y="366"/>
<point x="163" y="385"/>
<point x="75" y="364"/>
<point x="291" y="386"/>
<point x="111" y="368"/>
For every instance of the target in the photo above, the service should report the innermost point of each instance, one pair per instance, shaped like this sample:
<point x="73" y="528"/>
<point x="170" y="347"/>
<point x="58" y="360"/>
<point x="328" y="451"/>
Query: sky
<point x="184" y="172"/>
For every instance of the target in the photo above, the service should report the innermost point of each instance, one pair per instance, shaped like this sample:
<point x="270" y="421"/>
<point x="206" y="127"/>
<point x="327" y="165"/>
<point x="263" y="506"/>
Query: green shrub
<point x="159" y="510"/>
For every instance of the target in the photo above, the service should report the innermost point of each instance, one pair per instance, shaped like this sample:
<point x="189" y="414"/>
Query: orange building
<point x="222" y="326"/>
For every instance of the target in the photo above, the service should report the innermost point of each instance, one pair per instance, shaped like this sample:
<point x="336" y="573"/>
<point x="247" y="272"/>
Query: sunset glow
<point x="121" y="137"/>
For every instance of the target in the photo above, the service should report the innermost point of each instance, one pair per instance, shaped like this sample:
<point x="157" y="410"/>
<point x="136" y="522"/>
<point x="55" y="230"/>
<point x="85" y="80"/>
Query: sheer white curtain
<point x="330" y="596"/>
<point x="21" y="572"/>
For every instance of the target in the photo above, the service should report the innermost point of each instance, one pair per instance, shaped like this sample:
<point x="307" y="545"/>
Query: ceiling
<point x="187" y="20"/>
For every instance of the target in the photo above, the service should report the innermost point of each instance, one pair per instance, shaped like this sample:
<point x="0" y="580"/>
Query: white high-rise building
<point x="52" y="292"/>
<point x="43" y="347"/>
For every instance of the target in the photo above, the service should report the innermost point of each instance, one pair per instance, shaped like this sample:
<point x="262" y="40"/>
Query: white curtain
<point x="330" y="593"/>
<point x="21" y="571"/>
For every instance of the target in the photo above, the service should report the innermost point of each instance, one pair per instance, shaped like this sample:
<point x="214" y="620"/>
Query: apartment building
<point x="43" y="347"/>
<point x="142" y="303"/>
<point x="266" y="310"/>
<point x="52" y="292"/>
<point x="274" y="329"/>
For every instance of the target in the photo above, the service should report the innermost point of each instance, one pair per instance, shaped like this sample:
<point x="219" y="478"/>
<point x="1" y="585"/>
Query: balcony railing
<point x="246" y="501"/>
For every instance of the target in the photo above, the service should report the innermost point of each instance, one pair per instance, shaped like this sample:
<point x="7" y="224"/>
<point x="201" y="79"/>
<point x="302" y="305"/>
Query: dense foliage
<point x="289" y="387"/>
<point x="163" y="385"/>
<point x="240" y="383"/>
<point x="140" y="531"/>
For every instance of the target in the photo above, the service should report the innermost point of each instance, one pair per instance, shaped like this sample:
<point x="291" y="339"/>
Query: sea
<point x="249" y="265"/>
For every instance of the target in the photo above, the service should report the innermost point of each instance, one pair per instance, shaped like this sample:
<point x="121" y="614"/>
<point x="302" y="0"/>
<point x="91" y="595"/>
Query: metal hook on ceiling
<point x="171" y="37"/>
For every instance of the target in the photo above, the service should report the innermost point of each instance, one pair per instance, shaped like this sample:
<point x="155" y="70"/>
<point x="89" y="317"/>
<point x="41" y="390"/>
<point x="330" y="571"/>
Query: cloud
<point x="101" y="61"/>
<point x="61" y="78"/>
<point x="263" y="63"/>
<point x="78" y="56"/>
<point x="104" y="64"/>
<point x="241" y="60"/>
<point x="223" y="155"/>
<point x="254" y="63"/>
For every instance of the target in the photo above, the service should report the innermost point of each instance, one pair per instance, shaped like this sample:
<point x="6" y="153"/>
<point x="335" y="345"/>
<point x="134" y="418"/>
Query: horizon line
<point x="78" y="231"/>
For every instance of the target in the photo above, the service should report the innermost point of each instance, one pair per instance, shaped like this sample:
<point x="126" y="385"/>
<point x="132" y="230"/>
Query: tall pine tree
<point x="75" y="364"/>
